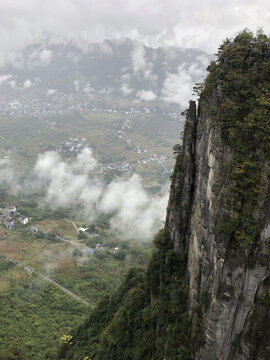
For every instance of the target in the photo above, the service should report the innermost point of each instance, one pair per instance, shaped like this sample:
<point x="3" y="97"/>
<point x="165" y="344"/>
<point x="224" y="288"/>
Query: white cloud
<point x="126" y="89"/>
<point x="51" y="91"/>
<point x="88" y="88"/>
<point x="8" y="176"/>
<point x="5" y="78"/>
<point x="27" y="84"/>
<point x="146" y="95"/>
<point x="67" y="183"/>
<point x="140" y="65"/>
<point x="202" y="24"/>
<point x="6" y="171"/>
<point x="76" y="84"/>
<point x="136" y="214"/>
<point x="138" y="58"/>
<point x="12" y="83"/>
<point x="46" y="56"/>
<point x="178" y="87"/>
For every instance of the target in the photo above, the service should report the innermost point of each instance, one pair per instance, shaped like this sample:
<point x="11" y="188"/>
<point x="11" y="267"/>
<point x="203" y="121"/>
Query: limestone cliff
<point x="235" y="325"/>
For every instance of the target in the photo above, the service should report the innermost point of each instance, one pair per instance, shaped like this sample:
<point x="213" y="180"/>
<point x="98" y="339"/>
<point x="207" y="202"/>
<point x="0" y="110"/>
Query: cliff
<point x="206" y="292"/>
<point x="234" y="320"/>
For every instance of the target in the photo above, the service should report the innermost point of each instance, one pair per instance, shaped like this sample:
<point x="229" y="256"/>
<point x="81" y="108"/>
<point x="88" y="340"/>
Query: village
<point x="55" y="103"/>
<point x="9" y="216"/>
<point x="72" y="145"/>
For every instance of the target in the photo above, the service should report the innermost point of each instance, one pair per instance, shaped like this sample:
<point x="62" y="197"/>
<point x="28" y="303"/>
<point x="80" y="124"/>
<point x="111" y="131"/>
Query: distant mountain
<point x="123" y="68"/>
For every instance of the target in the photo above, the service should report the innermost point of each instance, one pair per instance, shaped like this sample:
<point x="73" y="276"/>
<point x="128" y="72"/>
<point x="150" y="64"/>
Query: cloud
<point x="138" y="58"/>
<point x="27" y="84"/>
<point x="125" y="89"/>
<point x="76" y="84"/>
<point x="88" y="89"/>
<point x="140" y="65"/>
<point x="199" y="24"/>
<point x="46" y="56"/>
<point x="8" y="176"/>
<point x="6" y="172"/>
<point x="51" y="91"/>
<point x="105" y="48"/>
<point x="177" y="87"/>
<point x="12" y="83"/>
<point x="4" y="78"/>
<point x="135" y="213"/>
<point x="146" y="95"/>
<point x="67" y="183"/>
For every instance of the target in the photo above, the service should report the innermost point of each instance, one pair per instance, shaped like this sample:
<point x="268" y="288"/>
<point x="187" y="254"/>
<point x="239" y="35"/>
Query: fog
<point x="197" y="24"/>
<point x="135" y="213"/>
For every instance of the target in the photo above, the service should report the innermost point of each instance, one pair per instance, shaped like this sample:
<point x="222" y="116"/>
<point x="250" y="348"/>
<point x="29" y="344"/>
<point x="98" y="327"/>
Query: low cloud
<point x="51" y="91"/>
<point x="138" y="58"/>
<point x="27" y="84"/>
<point x="8" y="176"/>
<point x="106" y="48"/>
<point x="126" y="90"/>
<point x="140" y="65"/>
<point x="155" y="22"/>
<point x="67" y="183"/>
<point x="12" y="83"/>
<point x="146" y="95"/>
<point x="135" y="214"/>
<point x="46" y="56"/>
<point x="4" y="78"/>
<point x="177" y="87"/>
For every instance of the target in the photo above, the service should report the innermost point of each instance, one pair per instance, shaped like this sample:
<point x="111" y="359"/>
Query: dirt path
<point x="32" y="271"/>
<point x="64" y="289"/>
<point x="71" y="222"/>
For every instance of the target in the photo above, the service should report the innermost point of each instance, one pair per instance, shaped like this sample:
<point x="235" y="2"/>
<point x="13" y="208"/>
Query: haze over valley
<point x="134" y="168"/>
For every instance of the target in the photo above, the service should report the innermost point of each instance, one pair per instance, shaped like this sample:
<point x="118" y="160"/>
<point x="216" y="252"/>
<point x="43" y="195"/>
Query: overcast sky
<point x="202" y="24"/>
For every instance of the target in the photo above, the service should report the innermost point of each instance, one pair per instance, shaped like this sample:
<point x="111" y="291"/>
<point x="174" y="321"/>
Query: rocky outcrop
<point x="235" y="294"/>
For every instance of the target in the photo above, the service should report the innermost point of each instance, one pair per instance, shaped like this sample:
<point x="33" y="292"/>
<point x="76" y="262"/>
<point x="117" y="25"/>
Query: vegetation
<point x="145" y="319"/>
<point x="240" y="81"/>
<point x="34" y="315"/>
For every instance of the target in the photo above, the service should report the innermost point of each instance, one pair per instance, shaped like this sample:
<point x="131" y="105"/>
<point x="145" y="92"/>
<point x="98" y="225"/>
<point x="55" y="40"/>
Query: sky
<point x="200" y="24"/>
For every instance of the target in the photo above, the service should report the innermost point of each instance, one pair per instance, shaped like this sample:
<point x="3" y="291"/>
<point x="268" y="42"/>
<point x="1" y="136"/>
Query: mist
<point x="135" y="213"/>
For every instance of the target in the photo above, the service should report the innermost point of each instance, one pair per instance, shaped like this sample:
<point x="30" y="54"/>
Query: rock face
<point x="236" y="308"/>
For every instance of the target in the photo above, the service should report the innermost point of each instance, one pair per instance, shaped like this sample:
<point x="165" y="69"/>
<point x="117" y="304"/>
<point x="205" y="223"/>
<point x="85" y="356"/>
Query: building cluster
<point x="120" y="166"/>
<point x="88" y="251"/>
<point x="57" y="103"/>
<point x="9" y="216"/>
<point x="139" y="150"/>
<point x="72" y="145"/>
<point x="157" y="158"/>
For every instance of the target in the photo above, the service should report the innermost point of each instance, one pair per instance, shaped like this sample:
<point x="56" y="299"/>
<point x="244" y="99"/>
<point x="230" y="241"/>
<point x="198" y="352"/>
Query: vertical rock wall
<point x="233" y="296"/>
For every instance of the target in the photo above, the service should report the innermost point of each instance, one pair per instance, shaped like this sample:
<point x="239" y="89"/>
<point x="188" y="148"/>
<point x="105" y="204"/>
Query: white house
<point x="23" y="220"/>
<point x="82" y="229"/>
